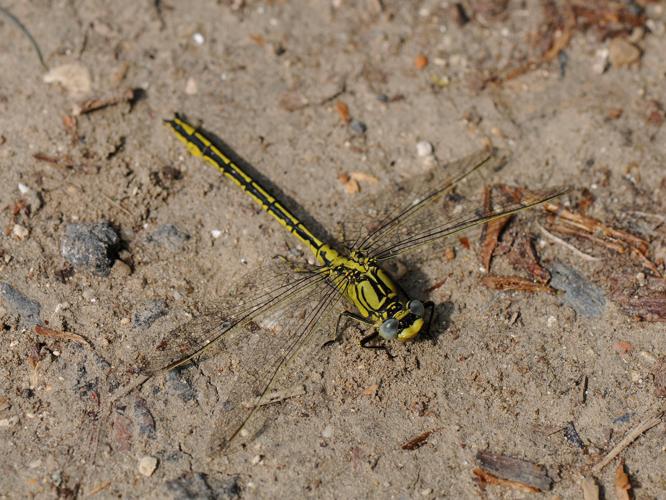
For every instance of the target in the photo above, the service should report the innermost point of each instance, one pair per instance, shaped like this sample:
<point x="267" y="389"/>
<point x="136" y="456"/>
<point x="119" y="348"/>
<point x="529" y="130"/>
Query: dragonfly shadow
<point x="309" y="221"/>
<point x="441" y="321"/>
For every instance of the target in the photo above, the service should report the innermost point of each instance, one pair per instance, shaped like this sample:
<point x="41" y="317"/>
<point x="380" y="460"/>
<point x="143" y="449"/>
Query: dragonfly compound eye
<point x="389" y="329"/>
<point x="416" y="308"/>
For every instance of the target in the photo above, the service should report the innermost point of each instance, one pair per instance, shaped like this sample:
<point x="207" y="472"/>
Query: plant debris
<point x="491" y="231"/>
<point x="627" y="440"/>
<point x="645" y="303"/>
<point x="622" y="483"/>
<point x="512" y="472"/>
<point x="96" y="103"/>
<point x="590" y="488"/>
<point x="562" y="20"/>
<point x="351" y="181"/>
<point x="567" y="223"/>
<point x="59" y="335"/>
<point x="418" y="441"/>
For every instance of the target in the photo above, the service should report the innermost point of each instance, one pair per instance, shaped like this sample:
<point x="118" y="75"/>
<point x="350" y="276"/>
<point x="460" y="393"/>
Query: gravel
<point x="90" y="246"/>
<point x="169" y="236"/>
<point x="148" y="312"/>
<point x="25" y="307"/>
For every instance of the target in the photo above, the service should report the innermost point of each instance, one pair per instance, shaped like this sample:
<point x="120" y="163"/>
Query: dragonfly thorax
<point x="376" y="296"/>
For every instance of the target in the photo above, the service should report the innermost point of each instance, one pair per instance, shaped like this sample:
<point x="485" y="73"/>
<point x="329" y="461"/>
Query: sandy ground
<point x="535" y="376"/>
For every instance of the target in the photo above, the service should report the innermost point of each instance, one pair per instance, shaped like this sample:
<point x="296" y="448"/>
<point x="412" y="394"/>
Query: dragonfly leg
<point x="372" y="336"/>
<point x="369" y="338"/>
<point x="338" y="329"/>
<point x="365" y="341"/>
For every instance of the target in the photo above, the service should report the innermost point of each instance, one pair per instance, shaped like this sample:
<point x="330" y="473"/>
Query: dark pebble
<point x="198" y="485"/>
<point x="101" y="362"/>
<point x="90" y="246"/>
<point x="144" y="418"/>
<point x="623" y="419"/>
<point x="169" y="236"/>
<point x="358" y="127"/>
<point x="583" y="296"/>
<point x="25" y="307"/>
<point x="571" y="435"/>
<point x="149" y="312"/>
<point x="177" y="385"/>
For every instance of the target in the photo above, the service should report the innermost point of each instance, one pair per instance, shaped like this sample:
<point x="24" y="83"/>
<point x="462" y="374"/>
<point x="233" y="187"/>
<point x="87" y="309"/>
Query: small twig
<point x="25" y="31"/>
<point x="627" y="440"/>
<point x="56" y="334"/>
<point x="560" y="241"/>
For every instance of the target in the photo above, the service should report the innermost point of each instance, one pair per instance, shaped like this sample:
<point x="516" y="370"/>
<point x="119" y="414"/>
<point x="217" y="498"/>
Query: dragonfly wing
<point x="411" y="201"/>
<point x="275" y="286"/>
<point x="433" y="228"/>
<point x="278" y="360"/>
<point x="254" y="339"/>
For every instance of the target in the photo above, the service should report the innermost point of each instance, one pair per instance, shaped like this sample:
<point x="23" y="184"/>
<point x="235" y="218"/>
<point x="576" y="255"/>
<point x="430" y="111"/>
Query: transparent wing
<point x="270" y="322"/>
<point x="437" y="213"/>
<point x="436" y="228"/>
<point x="412" y="205"/>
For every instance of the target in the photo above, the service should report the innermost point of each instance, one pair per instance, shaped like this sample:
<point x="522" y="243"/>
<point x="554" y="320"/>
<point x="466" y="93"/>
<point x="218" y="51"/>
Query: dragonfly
<point x="269" y="326"/>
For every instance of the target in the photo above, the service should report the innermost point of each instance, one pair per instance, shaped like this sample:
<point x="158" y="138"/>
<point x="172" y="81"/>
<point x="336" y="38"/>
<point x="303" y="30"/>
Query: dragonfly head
<point x="405" y="324"/>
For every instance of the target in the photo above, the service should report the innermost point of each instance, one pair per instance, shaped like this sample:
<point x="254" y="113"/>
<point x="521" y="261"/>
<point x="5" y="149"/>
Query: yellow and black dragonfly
<point x="276" y="317"/>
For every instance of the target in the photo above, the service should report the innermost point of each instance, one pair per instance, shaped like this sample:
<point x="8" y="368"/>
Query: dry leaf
<point x="622" y="483"/>
<point x="343" y="110"/>
<point x="74" y="77"/>
<point x="590" y="489"/>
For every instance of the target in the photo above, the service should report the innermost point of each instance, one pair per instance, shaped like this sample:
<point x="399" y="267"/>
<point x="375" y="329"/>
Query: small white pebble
<point x="551" y="321"/>
<point x="125" y="321"/>
<point x="23" y="188"/>
<point x="147" y="465"/>
<point x="244" y="433"/>
<point x="600" y="62"/>
<point x="257" y="459"/>
<point x="20" y="232"/>
<point x="640" y="277"/>
<point x="191" y="86"/>
<point x="648" y="357"/>
<point x="198" y="38"/>
<point x="61" y="306"/>
<point x="9" y="422"/>
<point x="216" y="233"/>
<point x="424" y="148"/>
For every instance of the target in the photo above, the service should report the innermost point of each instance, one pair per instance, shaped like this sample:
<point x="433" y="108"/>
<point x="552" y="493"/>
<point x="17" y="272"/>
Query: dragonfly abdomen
<point x="201" y="146"/>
